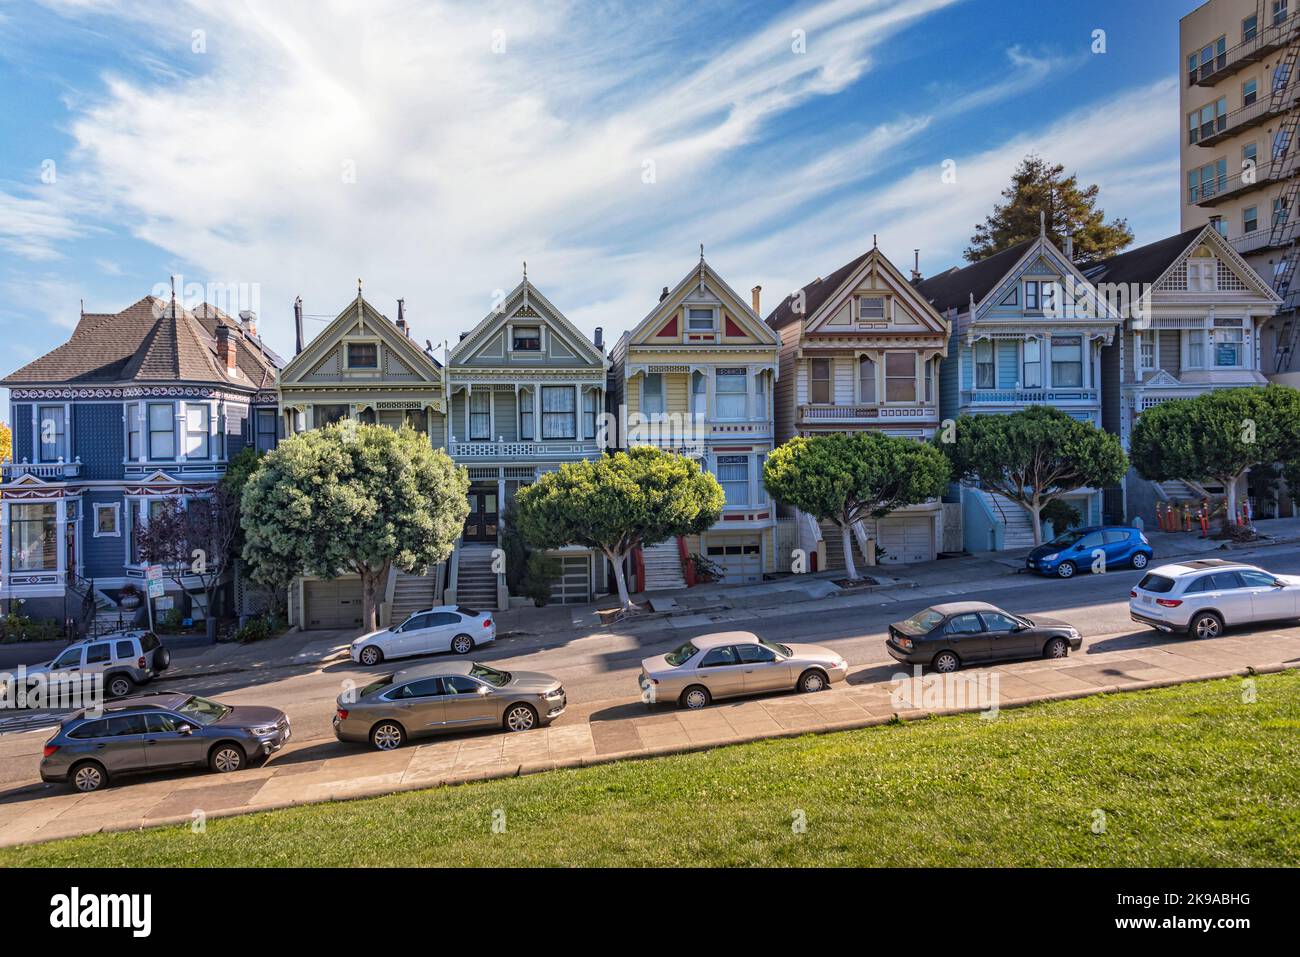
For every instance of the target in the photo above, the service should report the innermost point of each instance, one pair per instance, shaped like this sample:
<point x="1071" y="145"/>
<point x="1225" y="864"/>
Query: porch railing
<point x="42" y="470"/>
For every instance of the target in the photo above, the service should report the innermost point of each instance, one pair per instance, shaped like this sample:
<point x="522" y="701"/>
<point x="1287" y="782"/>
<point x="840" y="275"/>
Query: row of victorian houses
<point x="152" y="402"/>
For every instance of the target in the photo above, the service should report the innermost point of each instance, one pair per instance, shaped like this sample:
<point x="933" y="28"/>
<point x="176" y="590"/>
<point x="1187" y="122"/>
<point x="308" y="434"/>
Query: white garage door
<point x="741" y="559"/>
<point x="574" y="584"/>
<point x="906" y="539"/>
<point x="333" y="603"/>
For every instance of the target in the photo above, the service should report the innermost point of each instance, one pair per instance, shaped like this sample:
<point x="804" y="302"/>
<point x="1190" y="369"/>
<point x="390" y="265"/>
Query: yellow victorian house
<point x="696" y="376"/>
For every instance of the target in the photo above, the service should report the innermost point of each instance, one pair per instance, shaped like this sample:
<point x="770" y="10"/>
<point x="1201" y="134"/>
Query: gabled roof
<point x="526" y="294"/>
<point x="149" y="341"/>
<point x="954" y="288"/>
<point x="1146" y="263"/>
<point x="815" y="294"/>
<point x="703" y="273"/>
<point x="359" y="310"/>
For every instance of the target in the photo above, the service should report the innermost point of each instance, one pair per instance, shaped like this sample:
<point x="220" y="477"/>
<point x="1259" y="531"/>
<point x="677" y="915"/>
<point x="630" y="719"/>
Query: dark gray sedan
<point x="446" y="696"/>
<point x="950" y="636"/>
<point x="157" y="731"/>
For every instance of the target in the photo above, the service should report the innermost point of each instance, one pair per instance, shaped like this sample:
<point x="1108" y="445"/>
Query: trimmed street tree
<point x="1038" y="187"/>
<point x="1033" y="456"/>
<point x="617" y="503"/>
<point x="1218" y="435"/>
<point x="353" y="498"/>
<point x="844" y="478"/>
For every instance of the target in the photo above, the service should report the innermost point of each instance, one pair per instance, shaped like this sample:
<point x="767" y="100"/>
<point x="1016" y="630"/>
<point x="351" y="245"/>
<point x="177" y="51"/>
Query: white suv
<point x="1203" y="597"/>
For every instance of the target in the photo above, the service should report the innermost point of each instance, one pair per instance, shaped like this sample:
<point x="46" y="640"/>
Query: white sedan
<point x="445" y="628"/>
<point x="1204" y="596"/>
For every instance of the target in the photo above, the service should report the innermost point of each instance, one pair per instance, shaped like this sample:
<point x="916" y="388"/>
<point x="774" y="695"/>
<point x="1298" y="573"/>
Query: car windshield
<point x="377" y="685"/>
<point x="922" y="623"/>
<point x="467" y="612"/>
<point x="1067" y="538"/>
<point x="1156" y="583"/>
<point x="203" y="710"/>
<point x="782" y="650"/>
<point x="497" y="679"/>
<point x="681" y="654"/>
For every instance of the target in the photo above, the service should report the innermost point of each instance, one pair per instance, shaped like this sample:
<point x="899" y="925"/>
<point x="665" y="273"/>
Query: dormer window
<point x="701" y="319"/>
<point x="363" y="355"/>
<point x="871" y="309"/>
<point x="1202" y="275"/>
<point x="526" y="339"/>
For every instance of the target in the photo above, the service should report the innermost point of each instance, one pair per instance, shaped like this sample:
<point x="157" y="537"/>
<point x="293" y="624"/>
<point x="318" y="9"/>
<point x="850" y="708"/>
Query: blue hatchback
<point x="1095" y="548"/>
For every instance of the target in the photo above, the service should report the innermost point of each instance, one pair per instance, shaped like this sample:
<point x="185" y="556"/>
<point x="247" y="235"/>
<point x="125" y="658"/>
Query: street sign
<point x="157" y="589"/>
<point x="153" y="573"/>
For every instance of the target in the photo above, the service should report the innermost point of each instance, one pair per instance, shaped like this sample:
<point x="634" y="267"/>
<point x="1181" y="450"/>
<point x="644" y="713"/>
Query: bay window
<point x="1032" y="376"/>
<point x="867" y="380"/>
<point x="1196" y="349"/>
<point x="480" y="415"/>
<point x="733" y="476"/>
<point x="928" y="372"/>
<point x="134" y="432"/>
<point x="760" y="395"/>
<point x="900" y="376"/>
<point x="526" y="415"/>
<point x="1229" y="342"/>
<point x="652" y="394"/>
<point x="984" y="372"/>
<point x="197" y="419"/>
<point x="52" y="431"/>
<point x="729" y="395"/>
<point x="590" y="409"/>
<point x="265" y="429"/>
<point x="559" y="414"/>
<point x="33" y="537"/>
<point x="820" y="381"/>
<point x="162" y="430"/>
<point x="1067" y="361"/>
<point x="699" y="394"/>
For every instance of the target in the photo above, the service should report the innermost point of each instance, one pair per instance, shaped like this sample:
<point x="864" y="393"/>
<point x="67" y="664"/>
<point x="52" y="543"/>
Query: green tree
<point x="1033" y="456"/>
<point x="1218" y="435"/>
<point x="353" y="498"/>
<point x="6" y="442"/>
<point x="1038" y="187"/>
<point x="618" y="503"/>
<point x="845" y="478"/>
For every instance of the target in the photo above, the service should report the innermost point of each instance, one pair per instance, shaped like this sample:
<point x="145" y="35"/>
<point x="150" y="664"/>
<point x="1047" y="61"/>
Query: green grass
<point x="1188" y="775"/>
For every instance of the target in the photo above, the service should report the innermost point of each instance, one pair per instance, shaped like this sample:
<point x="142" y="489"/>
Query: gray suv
<point x="125" y="659"/>
<point x="159" y="730"/>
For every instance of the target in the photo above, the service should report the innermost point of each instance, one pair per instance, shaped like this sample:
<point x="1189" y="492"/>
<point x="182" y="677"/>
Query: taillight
<point x="1132" y="594"/>
<point x="140" y="663"/>
<point x="487" y="622"/>
<point x="343" y="715"/>
<point x="1169" y="602"/>
<point x="50" y="749"/>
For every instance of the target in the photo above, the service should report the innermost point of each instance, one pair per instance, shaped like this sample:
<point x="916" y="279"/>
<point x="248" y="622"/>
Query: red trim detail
<point x="732" y="329"/>
<point x="669" y="329"/>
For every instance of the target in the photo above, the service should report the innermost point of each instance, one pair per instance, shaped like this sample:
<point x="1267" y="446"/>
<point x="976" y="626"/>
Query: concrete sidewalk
<point x="324" y="770"/>
<point x="286" y="651"/>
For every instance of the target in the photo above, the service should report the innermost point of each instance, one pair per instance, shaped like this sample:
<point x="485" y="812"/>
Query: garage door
<point x="741" y="559"/>
<point x="906" y="539"/>
<point x="333" y="604"/>
<point x="574" y="586"/>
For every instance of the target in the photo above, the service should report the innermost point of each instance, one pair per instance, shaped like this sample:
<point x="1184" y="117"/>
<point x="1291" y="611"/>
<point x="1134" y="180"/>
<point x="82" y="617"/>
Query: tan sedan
<point x="734" y="663"/>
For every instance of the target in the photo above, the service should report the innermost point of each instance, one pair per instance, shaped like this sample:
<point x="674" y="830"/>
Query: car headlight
<point x="554" y="693"/>
<point x="262" y="730"/>
<point x="1052" y="557"/>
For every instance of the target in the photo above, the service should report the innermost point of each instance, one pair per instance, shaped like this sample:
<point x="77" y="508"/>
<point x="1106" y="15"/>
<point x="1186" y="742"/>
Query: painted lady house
<point x="860" y="350"/>
<point x="526" y="392"/>
<point x="363" y="367"/>
<point x="137" y="407"/>
<point x="696" y="376"/>
<point x="1193" y="324"/>
<point x="1027" y="329"/>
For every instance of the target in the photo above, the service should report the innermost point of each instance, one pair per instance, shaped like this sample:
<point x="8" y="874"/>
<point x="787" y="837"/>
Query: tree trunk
<point x="370" y="597"/>
<point x="1034" y="508"/>
<point x="624" y="599"/>
<point x="1230" y="487"/>
<point x="849" y="565"/>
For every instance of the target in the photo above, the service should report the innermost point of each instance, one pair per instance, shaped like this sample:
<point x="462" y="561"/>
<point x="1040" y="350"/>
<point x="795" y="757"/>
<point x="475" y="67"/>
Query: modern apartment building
<point x="1240" y="106"/>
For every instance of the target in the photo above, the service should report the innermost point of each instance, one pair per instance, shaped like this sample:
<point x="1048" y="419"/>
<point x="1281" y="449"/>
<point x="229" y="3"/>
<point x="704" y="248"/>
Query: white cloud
<point x="33" y="227"/>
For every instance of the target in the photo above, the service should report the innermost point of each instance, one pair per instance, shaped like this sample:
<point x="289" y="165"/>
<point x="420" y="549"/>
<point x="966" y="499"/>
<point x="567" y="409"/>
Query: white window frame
<point x="884" y="308"/>
<point x="712" y="318"/>
<point x="868" y="397"/>
<point x="572" y="413"/>
<point x="527" y="416"/>
<point x="829" y="380"/>
<point x="1146" y="342"/>
<point x="150" y="430"/>
<point x="1202" y="274"/>
<point x="62" y="453"/>
<point x="469" y="410"/>
<point x="1238" y="328"/>
<point x="916" y="392"/>
<point x="700" y="396"/>
<point x="660" y="397"/>
<point x="747" y="461"/>
<point x="1083" y="361"/>
<point x="992" y="363"/>
<point x="541" y="338"/>
<point x="1026" y="362"/>
<point x="590" y="416"/>
<point x="188" y="433"/>
<point x="116" y="509"/>
<point x="258" y="431"/>
<point x="1032" y="302"/>
<point x="730" y="373"/>
<point x="347" y="355"/>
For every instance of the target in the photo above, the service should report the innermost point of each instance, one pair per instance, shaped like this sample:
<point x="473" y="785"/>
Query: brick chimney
<point x="226" y="349"/>
<point x="248" y="319"/>
<point x="755" y="295"/>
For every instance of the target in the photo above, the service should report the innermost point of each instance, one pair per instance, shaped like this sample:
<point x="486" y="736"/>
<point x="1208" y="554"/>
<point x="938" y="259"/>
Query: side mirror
<point x="483" y="689"/>
<point x="1018" y="628"/>
<point x="184" y="729"/>
<point x="1278" y="583"/>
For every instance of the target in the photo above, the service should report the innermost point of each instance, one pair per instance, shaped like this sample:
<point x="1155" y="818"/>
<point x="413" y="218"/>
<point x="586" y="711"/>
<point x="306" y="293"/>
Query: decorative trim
<point x="135" y="392"/>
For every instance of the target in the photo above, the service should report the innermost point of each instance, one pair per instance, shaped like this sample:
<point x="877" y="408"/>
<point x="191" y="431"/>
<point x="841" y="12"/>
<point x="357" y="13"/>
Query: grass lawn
<point x="1189" y="775"/>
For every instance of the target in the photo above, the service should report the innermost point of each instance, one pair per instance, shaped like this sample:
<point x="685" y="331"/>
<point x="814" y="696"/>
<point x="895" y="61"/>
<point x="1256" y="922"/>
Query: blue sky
<point x="286" y="148"/>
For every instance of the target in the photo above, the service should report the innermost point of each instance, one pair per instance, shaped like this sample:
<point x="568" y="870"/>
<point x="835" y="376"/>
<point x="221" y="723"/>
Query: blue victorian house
<point x="137" y="407"/>
<point x="1027" y="329"/>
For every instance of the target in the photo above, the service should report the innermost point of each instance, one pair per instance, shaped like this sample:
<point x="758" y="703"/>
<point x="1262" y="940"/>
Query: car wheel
<point x="226" y="757"/>
<point x="1057" y="648"/>
<point x="462" y="644"/>
<point x="520" y="717"/>
<point x="119" y="686"/>
<point x="1207" y="625"/>
<point x="87" y="776"/>
<point x="387" y="735"/>
<point x="1140" y="560"/>
<point x="946" y="662"/>
<point x="813" y="680"/>
<point x="1065" y="570"/>
<point x="370" y="655"/>
<point x="696" y="697"/>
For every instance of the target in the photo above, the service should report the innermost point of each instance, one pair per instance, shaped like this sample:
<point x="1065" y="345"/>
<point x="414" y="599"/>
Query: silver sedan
<point x="735" y="663"/>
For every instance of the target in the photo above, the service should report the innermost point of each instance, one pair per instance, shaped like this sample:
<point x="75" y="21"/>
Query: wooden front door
<point x="481" y="525"/>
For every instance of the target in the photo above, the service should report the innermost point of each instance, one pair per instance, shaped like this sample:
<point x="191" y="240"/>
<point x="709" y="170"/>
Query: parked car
<point x="1079" y="548"/>
<point x="125" y="660"/>
<point x="444" y="628"/>
<point x="447" y="696"/>
<point x="158" y="730"/>
<point x="947" y="637"/>
<point x="734" y="663"/>
<point x="1205" y="596"/>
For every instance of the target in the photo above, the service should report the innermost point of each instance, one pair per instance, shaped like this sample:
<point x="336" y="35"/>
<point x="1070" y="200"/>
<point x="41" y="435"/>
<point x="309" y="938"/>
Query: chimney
<point x="227" y="350"/>
<point x="916" y="265"/>
<point x="755" y="296"/>
<point x="599" y="339"/>
<point x="663" y="295"/>
<point x="401" y="318"/>
<point x="1069" y="248"/>
<point x="248" y="318"/>
<point x="297" y="324"/>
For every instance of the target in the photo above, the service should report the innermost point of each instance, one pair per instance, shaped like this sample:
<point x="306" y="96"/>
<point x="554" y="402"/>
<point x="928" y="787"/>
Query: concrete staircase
<point x="1017" y="527"/>
<point x="412" y="593"/>
<point x="476" y="583"/>
<point x="835" y="548"/>
<point x="663" y="567"/>
<point x="1176" y="490"/>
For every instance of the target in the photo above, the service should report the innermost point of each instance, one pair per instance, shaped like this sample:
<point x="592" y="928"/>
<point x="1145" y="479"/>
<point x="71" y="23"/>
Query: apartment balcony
<point x="1223" y="188"/>
<point x="1245" y="118"/>
<point x="1010" y="398"/>
<point x="47" y="471"/>
<point x="1259" y="240"/>
<point x="1264" y="42"/>
<point x="821" y="414"/>
<point x="501" y="449"/>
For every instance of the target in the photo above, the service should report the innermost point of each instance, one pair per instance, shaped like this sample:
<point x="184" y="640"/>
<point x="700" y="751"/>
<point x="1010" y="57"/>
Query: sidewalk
<point x="289" y="650"/>
<point x="323" y="770"/>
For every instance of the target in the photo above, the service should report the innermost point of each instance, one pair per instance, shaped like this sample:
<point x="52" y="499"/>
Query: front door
<point x="481" y="525"/>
